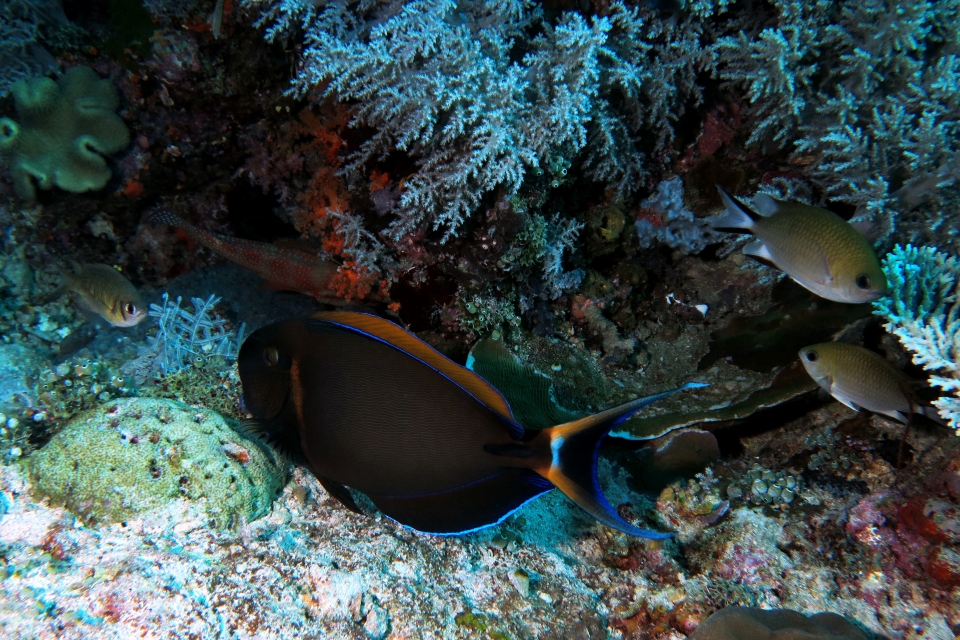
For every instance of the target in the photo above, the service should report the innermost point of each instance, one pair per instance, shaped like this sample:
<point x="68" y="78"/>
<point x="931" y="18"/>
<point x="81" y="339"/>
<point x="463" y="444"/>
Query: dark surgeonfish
<point x="367" y="405"/>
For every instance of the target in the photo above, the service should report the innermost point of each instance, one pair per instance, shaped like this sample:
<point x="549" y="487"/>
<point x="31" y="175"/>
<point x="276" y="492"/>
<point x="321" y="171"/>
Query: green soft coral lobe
<point x="64" y="130"/>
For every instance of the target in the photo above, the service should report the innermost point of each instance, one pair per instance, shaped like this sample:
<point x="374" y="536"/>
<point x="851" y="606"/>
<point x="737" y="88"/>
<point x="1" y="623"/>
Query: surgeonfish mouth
<point x="271" y="432"/>
<point x="367" y="405"/>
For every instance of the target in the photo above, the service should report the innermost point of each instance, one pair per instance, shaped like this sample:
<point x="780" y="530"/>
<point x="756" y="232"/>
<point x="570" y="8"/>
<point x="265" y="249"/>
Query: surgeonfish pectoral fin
<point x="766" y="204"/>
<point x="738" y="218"/>
<point x="340" y="493"/>
<point x="573" y="470"/>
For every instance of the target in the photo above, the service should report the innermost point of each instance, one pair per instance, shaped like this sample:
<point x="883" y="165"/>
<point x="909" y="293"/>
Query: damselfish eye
<point x="271" y="356"/>
<point x="811" y="356"/>
<point x="130" y="309"/>
<point x="863" y="281"/>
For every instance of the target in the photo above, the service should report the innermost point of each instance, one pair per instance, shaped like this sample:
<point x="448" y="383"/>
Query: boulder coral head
<point x="64" y="129"/>
<point x="741" y="623"/>
<point x="133" y="455"/>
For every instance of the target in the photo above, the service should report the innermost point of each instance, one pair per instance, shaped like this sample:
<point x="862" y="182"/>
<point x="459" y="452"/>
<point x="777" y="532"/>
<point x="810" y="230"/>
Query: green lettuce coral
<point x="64" y="130"/>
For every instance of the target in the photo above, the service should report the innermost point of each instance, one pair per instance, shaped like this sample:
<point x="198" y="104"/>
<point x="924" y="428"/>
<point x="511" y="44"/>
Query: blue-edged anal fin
<point x="465" y="509"/>
<point x="568" y="453"/>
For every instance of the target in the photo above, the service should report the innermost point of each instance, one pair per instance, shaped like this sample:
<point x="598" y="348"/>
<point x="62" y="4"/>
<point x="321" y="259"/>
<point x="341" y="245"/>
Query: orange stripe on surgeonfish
<point x="283" y="267"/>
<point x="366" y="405"/>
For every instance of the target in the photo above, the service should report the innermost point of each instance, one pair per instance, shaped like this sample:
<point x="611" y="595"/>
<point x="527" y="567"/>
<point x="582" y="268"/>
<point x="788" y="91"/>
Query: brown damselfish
<point x="367" y="405"/>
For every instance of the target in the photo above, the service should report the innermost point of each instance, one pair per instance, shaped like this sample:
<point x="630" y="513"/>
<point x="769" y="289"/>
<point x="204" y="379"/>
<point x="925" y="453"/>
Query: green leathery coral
<point x="131" y="455"/>
<point x="530" y="393"/>
<point x="64" y="129"/>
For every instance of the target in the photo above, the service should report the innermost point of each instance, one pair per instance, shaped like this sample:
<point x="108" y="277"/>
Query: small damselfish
<point x="820" y="250"/>
<point x="367" y="405"/>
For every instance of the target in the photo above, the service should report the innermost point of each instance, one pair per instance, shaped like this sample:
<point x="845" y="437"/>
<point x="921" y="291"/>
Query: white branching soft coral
<point x="679" y="228"/>
<point x="187" y="339"/>
<point x="478" y="102"/>
<point x="359" y="245"/>
<point x="866" y="92"/>
<point x="923" y="311"/>
<point x="561" y="237"/>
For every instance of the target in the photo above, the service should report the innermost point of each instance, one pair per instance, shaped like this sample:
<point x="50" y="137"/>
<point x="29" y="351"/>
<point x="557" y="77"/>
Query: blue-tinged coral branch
<point x="866" y="91"/>
<point x="440" y="81"/>
<point x="678" y="227"/>
<point x="190" y="338"/>
<point x="923" y="311"/>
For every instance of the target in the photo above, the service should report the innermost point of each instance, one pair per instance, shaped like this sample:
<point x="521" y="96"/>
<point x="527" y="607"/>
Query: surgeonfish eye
<point x="271" y="356"/>
<point x="811" y="356"/>
<point x="863" y="281"/>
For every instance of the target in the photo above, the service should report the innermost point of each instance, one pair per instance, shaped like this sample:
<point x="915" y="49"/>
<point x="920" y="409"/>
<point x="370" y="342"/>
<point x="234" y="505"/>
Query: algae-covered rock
<point x="134" y="454"/>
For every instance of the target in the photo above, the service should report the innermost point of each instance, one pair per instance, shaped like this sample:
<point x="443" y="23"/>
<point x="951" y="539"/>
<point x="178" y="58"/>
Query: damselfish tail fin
<point x="737" y="218"/>
<point x="575" y="447"/>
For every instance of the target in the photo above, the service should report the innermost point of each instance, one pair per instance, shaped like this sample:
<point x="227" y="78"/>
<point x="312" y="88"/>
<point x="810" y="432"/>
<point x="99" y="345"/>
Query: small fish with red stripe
<point x="290" y="266"/>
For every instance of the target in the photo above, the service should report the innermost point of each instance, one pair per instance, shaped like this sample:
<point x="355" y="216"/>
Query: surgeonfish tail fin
<point x="738" y="218"/>
<point x="575" y="447"/>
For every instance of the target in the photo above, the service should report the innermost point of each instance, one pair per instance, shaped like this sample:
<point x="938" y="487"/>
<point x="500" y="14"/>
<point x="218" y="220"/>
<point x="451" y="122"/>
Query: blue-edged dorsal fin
<point x="402" y="339"/>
